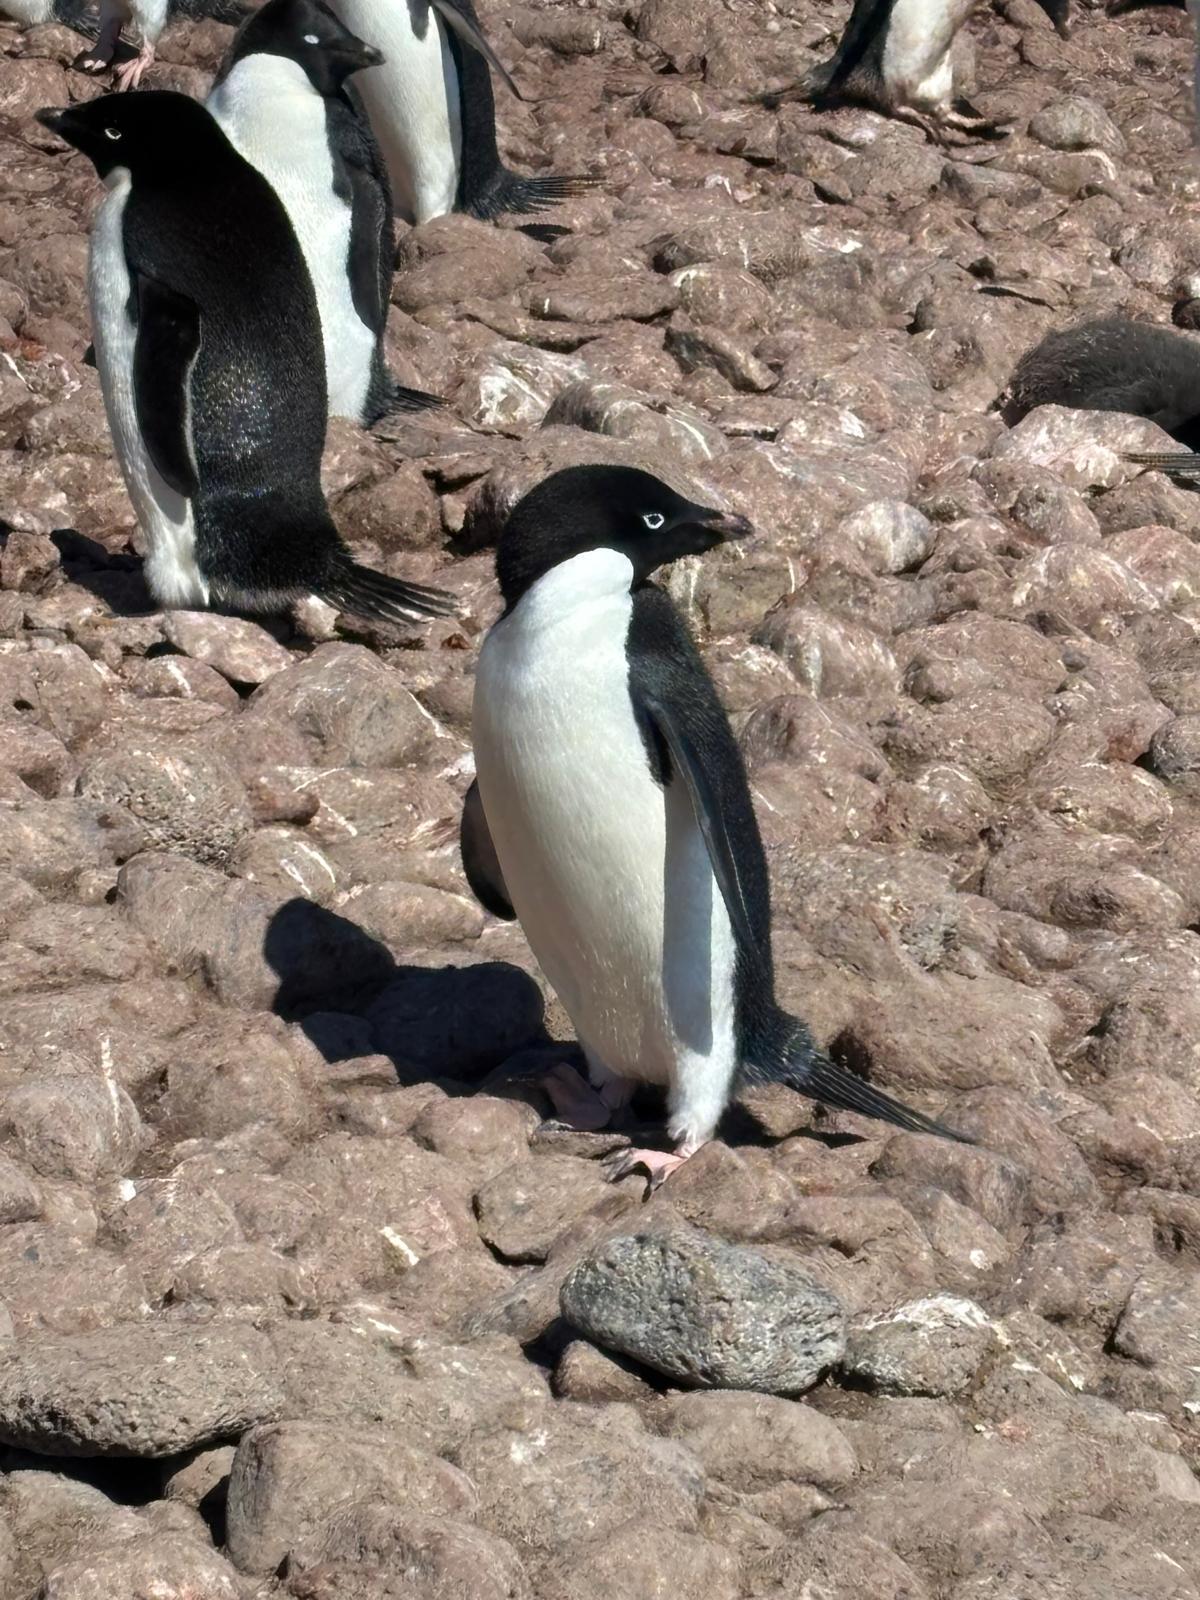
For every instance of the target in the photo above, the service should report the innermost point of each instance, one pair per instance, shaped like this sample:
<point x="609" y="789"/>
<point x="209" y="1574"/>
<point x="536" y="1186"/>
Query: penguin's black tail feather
<point x="400" y="398"/>
<point x="810" y="1071"/>
<point x="366" y="593"/>
<point x="511" y="192"/>
<point x="79" y="15"/>
<point x="1184" y="462"/>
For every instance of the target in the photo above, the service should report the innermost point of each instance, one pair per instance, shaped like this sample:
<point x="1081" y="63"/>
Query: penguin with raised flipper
<point x="434" y="114"/>
<point x="612" y="815"/>
<point x="208" y="345"/>
<point x="897" y="56"/>
<point x="284" y="98"/>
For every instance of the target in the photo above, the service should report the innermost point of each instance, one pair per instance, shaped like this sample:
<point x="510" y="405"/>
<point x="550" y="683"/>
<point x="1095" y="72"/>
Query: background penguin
<point x="209" y="350"/>
<point x="1113" y="365"/>
<point x="613" y="817"/>
<point x="284" y="100"/>
<point x="897" y="56"/>
<point x="434" y="114"/>
<point x="149" y="17"/>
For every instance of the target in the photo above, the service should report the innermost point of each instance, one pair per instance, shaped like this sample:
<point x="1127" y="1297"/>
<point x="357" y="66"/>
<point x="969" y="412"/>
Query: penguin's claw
<point x="657" y="1164"/>
<point x="129" y="74"/>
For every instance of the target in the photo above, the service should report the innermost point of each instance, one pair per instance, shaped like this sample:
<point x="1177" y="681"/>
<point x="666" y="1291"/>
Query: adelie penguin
<point x="897" y="56"/>
<point x="1114" y="364"/>
<point x="612" y="814"/>
<point x="208" y="345"/>
<point x="284" y="99"/>
<point x="103" y="21"/>
<point x="434" y="114"/>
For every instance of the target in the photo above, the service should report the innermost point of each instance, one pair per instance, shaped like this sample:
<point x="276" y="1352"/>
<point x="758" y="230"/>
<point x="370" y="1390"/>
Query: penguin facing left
<point x="284" y="99"/>
<point x="208" y="346"/>
<point x="897" y="56"/>
<point x="612" y="815"/>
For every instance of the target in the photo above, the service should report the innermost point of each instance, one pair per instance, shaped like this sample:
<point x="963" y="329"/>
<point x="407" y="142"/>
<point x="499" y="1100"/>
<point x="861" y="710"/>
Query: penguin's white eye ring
<point x="112" y="133"/>
<point x="311" y="38"/>
<point x="654" y="520"/>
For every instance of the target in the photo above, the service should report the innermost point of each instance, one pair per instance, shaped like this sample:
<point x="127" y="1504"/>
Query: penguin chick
<point x="149" y="18"/>
<point x="1114" y="364"/>
<point x="284" y="99"/>
<point x="208" y="346"/>
<point x="612" y="816"/>
<point x="434" y="114"/>
<point x="896" y="56"/>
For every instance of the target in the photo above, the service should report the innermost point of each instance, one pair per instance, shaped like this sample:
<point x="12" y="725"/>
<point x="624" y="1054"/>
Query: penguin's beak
<point x="724" y="525"/>
<point x="51" y="117"/>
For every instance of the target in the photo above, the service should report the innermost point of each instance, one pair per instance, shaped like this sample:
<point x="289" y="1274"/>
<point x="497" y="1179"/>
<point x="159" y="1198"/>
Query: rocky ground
<point x="283" y="1243"/>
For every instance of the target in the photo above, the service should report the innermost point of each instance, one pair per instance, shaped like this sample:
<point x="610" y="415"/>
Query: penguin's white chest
<point x="918" y="64"/>
<point x="412" y="101"/>
<point x="607" y="871"/>
<point x="165" y="517"/>
<point x="276" y="120"/>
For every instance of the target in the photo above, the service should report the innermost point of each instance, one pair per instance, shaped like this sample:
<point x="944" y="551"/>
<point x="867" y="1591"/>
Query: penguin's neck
<point x="593" y="580"/>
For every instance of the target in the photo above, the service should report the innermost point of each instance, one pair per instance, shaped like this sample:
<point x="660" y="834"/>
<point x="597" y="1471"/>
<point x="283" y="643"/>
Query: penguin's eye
<point x="112" y="133"/>
<point x="311" y="38"/>
<point x="653" y="520"/>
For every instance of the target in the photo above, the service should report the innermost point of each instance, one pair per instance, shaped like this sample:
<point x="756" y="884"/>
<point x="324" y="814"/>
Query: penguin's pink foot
<point x="578" y="1105"/>
<point x="658" y="1164"/>
<point x="129" y="74"/>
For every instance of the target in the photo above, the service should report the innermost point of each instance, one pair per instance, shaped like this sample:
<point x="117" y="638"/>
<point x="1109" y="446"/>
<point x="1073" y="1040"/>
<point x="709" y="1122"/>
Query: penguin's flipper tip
<point x="366" y="593"/>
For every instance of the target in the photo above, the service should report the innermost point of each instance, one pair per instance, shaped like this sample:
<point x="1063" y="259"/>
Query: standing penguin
<point x="208" y="345"/>
<point x="434" y="114"/>
<point x="613" y="817"/>
<point x="284" y="100"/>
<point x="897" y="56"/>
<point x="149" y="18"/>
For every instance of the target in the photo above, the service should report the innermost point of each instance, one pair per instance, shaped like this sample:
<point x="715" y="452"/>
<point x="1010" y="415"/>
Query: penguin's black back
<point x="1113" y="365"/>
<point x="214" y="231"/>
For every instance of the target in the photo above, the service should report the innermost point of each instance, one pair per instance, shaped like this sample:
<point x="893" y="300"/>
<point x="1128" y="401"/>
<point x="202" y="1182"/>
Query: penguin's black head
<point x="605" y="508"/>
<point x="154" y="132"/>
<point x="308" y="33"/>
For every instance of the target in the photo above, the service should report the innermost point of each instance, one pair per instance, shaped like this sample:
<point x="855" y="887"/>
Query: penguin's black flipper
<point x="479" y="859"/>
<point x="803" y="1067"/>
<point x="460" y="15"/>
<point x="707" y="808"/>
<point x="366" y="593"/>
<point x="1059" y="12"/>
<point x="168" y="337"/>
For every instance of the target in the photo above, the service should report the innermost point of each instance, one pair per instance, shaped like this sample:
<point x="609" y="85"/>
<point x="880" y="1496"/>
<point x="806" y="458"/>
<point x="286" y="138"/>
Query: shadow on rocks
<point x="351" y="998"/>
<point x="115" y="578"/>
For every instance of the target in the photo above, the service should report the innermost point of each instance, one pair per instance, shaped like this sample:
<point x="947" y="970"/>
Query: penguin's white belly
<point x="608" y="872"/>
<point x="918" y="65"/>
<point x="276" y="120"/>
<point x="28" y="12"/>
<point x="165" y="517"/>
<point x="412" y="101"/>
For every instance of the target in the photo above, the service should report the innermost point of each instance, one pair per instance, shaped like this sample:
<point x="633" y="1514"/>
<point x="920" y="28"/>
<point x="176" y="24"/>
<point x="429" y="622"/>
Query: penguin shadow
<point x="451" y="1025"/>
<point x="115" y="577"/>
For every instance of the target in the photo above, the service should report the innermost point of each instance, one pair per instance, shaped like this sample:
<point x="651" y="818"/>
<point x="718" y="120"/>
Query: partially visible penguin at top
<point x="103" y="23"/>
<point x="898" y="57"/>
<point x="431" y="105"/>
<point x="284" y="99"/>
<point x="208" y="346"/>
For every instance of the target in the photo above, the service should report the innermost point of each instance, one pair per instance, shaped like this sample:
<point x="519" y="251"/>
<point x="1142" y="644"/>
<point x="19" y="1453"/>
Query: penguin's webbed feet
<point x="657" y="1164"/>
<point x="578" y="1105"/>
